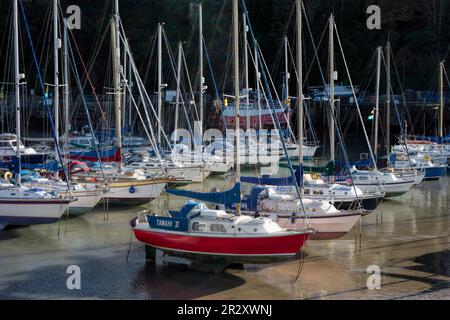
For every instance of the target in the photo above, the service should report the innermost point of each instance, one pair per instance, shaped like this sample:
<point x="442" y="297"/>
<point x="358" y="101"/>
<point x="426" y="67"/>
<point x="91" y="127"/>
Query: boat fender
<point x="293" y="218"/>
<point x="134" y="222"/>
<point x="132" y="190"/>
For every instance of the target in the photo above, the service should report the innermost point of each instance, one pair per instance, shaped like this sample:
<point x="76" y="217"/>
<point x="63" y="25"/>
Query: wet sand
<point x="408" y="238"/>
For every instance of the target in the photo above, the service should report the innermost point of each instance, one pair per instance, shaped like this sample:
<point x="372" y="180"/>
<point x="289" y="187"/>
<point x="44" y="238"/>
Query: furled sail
<point x="284" y="181"/>
<point x="228" y="198"/>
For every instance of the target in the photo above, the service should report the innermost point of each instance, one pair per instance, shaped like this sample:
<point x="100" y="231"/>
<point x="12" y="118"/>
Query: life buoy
<point x="7" y="176"/>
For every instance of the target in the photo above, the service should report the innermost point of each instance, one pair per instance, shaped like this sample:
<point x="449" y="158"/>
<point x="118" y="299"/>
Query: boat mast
<point x="177" y="101"/>
<point x="115" y="28"/>
<point x="377" y="101"/>
<point x="17" y="79"/>
<point x="286" y="68"/>
<point x="56" y="46"/>
<point x="124" y="93"/>
<point x="130" y="96"/>
<point x="388" y="97"/>
<point x="66" y="83"/>
<point x="236" y="93"/>
<point x="442" y="102"/>
<point x="332" y="78"/>
<point x="201" y="72"/>
<point x="159" y="82"/>
<point x="258" y="86"/>
<point x="300" y="88"/>
<point x="246" y="78"/>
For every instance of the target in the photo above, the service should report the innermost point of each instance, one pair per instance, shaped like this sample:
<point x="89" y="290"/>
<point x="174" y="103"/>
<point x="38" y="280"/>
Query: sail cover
<point x="228" y="198"/>
<point x="284" y="181"/>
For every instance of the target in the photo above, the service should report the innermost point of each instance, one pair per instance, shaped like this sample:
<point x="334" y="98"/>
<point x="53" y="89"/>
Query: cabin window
<point x="307" y="191"/>
<point x="218" y="228"/>
<point x="196" y="226"/>
<point x="318" y="192"/>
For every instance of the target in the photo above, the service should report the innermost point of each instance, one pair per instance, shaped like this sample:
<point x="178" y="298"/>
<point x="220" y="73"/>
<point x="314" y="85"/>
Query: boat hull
<point x="85" y="202"/>
<point x="392" y="190"/>
<point x="282" y="246"/>
<point x="328" y="227"/>
<point x="133" y="193"/>
<point x="367" y="203"/>
<point x="308" y="152"/>
<point x="18" y="212"/>
<point x="434" y="173"/>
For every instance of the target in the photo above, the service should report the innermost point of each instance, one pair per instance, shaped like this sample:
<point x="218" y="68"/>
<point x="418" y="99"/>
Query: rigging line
<point x="216" y="89"/>
<point x="141" y="89"/>
<point x="402" y="130"/>
<point x="98" y="36"/>
<point x="308" y="115"/>
<point x="30" y="40"/>
<point x="150" y="135"/>
<point x="174" y="70"/>
<point x="88" y="78"/>
<point x="341" y="140"/>
<point x="184" y="103"/>
<point x="6" y="34"/>
<point x="147" y="67"/>
<point x="74" y="68"/>
<point x="403" y="93"/>
<point x="264" y="65"/>
<point x="353" y="92"/>
<point x="253" y="59"/>
<point x="190" y="86"/>
<point x="277" y="122"/>
<point x="217" y="25"/>
<point x="228" y="61"/>
<point x="285" y="33"/>
<point x="124" y="41"/>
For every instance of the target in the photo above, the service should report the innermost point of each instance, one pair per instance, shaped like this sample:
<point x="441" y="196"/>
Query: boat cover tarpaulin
<point x="228" y="198"/>
<point x="284" y="181"/>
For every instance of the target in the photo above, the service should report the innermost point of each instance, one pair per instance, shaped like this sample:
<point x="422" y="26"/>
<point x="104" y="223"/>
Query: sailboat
<point x="126" y="185"/>
<point x="201" y="232"/>
<point x="369" y="181"/>
<point x="183" y="168"/>
<point x="288" y="201"/>
<point x="20" y="205"/>
<point x="425" y="155"/>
